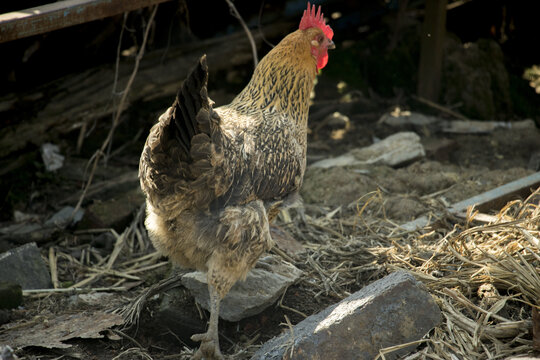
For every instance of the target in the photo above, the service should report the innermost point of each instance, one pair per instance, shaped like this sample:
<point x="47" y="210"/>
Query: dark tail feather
<point x="191" y="97"/>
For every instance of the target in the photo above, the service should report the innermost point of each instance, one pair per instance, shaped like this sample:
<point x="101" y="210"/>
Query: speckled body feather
<point x="215" y="178"/>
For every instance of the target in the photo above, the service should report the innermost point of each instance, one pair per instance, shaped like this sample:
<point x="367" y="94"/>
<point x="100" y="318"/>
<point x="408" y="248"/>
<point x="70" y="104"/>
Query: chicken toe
<point x="209" y="348"/>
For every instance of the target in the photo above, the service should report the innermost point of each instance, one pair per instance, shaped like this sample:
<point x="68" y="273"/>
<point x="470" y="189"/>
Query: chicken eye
<point x="320" y="39"/>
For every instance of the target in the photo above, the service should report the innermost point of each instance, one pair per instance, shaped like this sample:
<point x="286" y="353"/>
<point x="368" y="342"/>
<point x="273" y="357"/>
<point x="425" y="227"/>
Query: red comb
<point x="311" y="19"/>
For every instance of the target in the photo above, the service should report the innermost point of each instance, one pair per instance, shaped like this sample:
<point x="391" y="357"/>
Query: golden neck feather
<point x="283" y="80"/>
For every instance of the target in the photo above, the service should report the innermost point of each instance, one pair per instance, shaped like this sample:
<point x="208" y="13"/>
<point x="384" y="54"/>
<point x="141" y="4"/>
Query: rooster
<point x="215" y="178"/>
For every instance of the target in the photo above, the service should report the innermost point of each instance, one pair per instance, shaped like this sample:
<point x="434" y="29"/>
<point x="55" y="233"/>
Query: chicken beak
<point x="331" y="45"/>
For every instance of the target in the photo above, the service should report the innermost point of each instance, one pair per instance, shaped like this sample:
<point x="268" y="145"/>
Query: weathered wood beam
<point x="489" y="200"/>
<point x="61" y="14"/>
<point x="498" y="197"/>
<point x="86" y="96"/>
<point x="431" y="52"/>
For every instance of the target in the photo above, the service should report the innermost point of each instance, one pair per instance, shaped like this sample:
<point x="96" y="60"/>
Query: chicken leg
<point x="209" y="348"/>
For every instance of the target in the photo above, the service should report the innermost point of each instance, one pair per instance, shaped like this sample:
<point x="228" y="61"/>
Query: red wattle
<point x="322" y="60"/>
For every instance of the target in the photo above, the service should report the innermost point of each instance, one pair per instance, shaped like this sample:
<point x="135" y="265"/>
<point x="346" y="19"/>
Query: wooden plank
<point x="498" y="197"/>
<point x="61" y="14"/>
<point x="88" y="95"/>
<point x="431" y="52"/>
<point x="492" y="199"/>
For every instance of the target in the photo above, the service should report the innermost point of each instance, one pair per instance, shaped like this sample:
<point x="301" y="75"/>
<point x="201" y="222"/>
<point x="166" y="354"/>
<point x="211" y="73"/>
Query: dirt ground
<point x="470" y="165"/>
<point x="456" y="167"/>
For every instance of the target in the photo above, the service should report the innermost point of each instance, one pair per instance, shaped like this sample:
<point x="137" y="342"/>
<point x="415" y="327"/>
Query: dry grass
<point x="485" y="277"/>
<point x="131" y="256"/>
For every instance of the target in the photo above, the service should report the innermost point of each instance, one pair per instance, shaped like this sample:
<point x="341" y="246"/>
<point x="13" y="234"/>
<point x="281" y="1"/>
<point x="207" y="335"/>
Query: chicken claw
<point x="209" y="348"/>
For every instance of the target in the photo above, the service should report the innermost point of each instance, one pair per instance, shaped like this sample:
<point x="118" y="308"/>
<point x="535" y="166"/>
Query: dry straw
<point x="484" y="276"/>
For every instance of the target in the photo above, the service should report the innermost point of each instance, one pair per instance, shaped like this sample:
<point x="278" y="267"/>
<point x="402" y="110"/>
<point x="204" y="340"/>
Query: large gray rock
<point x="24" y="266"/>
<point x="391" y="311"/>
<point x="261" y="288"/>
<point x="396" y="149"/>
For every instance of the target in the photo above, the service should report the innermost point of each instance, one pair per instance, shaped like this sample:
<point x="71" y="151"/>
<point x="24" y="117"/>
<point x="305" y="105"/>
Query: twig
<point x="118" y="51"/>
<point x="236" y="14"/>
<point x="124" y="335"/>
<point x="259" y="26"/>
<point x="133" y="353"/>
<point x="291" y="339"/>
<point x="131" y="311"/>
<point x="530" y="238"/>
<point x="149" y="267"/>
<point x="71" y="290"/>
<point x="100" y="152"/>
<point x="439" y="107"/>
<point x="127" y="143"/>
<point x="280" y="304"/>
<point x="114" y="273"/>
<point x="125" y="93"/>
<point x="391" y="349"/>
<point x="82" y="135"/>
<point x="131" y="176"/>
<point x="456" y="4"/>
<point x="468" y="303"/>
<point x="54" y="268"/>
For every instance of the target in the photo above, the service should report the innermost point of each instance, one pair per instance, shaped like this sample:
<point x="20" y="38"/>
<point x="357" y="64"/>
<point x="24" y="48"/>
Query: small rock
<point x="24" y="266"/>
<point x="63" y="218"/>
<point x="10" y="295"/>
<point x="488" y="295"/>
<point x="391" y="311"/>
<point x="51" y="156"/>
<point x="285" y="241"/>
<point x="395" y="150"/>
<point x="261" y="288"/>
<point x="7" y="353"/>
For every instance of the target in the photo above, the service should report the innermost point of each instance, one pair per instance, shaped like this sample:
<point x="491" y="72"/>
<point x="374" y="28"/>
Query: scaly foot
<point x="209" y="349"/>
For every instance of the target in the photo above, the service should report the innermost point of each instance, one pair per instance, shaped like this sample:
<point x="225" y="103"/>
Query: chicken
<point x="215" y="178"/>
